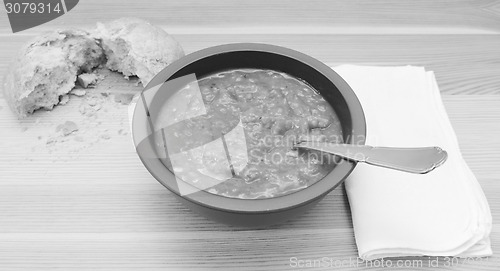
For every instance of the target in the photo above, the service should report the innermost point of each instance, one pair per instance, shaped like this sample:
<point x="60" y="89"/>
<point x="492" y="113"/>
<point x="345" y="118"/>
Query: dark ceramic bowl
<point x="254" y="212"/>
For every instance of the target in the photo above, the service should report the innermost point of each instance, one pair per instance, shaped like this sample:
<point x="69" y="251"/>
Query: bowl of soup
<point x="217" y="128"/>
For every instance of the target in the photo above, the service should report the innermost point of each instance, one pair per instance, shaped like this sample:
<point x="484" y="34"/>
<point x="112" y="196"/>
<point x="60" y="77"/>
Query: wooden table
<point x="99" y="208"/>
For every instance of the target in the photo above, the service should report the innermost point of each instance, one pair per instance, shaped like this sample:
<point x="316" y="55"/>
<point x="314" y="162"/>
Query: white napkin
<point x="442" y="213"/>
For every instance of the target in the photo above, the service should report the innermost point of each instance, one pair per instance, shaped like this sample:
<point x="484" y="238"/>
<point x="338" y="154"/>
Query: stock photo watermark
<point x="356" y="262"/>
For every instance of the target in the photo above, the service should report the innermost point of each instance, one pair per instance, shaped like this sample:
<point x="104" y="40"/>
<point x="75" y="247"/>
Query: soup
<point x="232" y="134"/>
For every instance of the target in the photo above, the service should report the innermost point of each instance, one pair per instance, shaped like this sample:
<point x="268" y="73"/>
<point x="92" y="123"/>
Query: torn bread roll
<point x="47" y="68"/>
<point x="136" y="47"/>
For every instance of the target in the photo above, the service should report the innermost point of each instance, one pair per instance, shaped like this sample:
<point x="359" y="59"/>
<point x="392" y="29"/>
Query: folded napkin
<point x="442" y="213"/>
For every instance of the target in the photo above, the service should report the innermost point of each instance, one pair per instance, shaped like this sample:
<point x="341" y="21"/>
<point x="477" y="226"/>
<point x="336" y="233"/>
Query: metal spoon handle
<point x="414" y="160"/>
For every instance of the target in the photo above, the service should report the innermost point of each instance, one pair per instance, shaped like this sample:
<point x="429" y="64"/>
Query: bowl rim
<point x="268" y="205"/>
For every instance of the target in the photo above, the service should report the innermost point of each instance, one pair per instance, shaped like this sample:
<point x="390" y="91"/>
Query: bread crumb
<point x="92" y="101"/>
<point x="97" y="107"/>
<point x="87" y="79"/>
<point x="91" y="105"/>
<point x="83" y="108"/>
<point x="95" y="102"/>
<point x="124" y="98"/>
<point x="63" y="99"/>
<point x="67" y="128"/>
<point x="78" y="92"/>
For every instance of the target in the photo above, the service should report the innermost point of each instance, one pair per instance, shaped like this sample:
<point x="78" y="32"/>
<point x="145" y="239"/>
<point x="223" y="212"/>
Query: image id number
<point x="32" y="8"/>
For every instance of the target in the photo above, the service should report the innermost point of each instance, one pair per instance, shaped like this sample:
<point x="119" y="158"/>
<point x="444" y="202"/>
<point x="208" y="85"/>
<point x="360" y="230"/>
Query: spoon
<point x="413" y="160"/>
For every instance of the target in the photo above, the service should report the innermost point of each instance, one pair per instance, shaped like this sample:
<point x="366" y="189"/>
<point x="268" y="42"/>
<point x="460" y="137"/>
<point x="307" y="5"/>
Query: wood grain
<point x="98" y="208"/>
<point x="452" y="15"/>
<point x="464" y="64"/>
<point x="101" y="207"/>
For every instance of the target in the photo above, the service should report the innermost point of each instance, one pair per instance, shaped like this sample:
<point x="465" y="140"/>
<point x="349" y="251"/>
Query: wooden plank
<point x="421" y="16"/>
<point x="244" y="250"/>
<point x="464" y="64"/>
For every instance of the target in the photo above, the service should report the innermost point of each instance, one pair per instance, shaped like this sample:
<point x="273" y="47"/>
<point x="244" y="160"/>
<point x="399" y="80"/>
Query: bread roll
<point x="135" y="47"/>
<point x="47" y="67"/>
